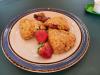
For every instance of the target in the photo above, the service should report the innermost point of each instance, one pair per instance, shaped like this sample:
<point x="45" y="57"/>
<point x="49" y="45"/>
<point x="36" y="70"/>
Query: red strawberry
<point x="45" y="51"/>
<point x="41" y="36"/>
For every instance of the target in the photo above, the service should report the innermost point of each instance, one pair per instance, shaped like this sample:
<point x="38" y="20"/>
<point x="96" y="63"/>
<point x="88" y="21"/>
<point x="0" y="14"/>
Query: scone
<point x="60" y="40"/>
<point x="26" y="27"/>
<point x="57" y="23"/>
<point x="29" y="27"/>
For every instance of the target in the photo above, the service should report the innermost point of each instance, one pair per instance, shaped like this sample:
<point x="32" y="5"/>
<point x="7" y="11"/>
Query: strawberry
<point x="45" y="51"/>
<point x="41" y="36"/>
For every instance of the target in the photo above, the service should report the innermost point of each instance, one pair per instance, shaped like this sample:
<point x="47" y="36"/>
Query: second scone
<point x="60" y="40"/>
<point x="57" y="23"/>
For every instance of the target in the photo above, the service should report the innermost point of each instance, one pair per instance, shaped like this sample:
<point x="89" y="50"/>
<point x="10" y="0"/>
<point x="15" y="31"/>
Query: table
<point x="90" y="64"/>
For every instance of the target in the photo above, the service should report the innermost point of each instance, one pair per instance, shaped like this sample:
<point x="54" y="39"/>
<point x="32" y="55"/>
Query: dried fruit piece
<point x="41" y="17"/>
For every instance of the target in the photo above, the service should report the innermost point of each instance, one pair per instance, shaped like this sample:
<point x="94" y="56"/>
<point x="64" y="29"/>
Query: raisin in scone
<point x="60" y="40"/>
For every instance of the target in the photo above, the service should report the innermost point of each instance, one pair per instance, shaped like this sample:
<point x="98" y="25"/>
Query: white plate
<point x="28" y="49"/>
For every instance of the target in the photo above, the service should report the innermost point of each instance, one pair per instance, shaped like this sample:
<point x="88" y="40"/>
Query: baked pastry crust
<point x="57" y="23"/>
<point x="26" y="27"/>
<point x="60" y="40"/>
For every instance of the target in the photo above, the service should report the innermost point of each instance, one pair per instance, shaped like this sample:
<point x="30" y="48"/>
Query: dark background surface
<point x="89" y="65"/>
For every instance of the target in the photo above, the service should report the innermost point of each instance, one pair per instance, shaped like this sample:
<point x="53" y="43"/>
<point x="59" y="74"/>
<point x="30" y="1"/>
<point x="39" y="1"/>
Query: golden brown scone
<point x="26" y="27"/>
<point x="57" y="23"/>
<point x="60" y="40"/>
<point x="29" y="27"/>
